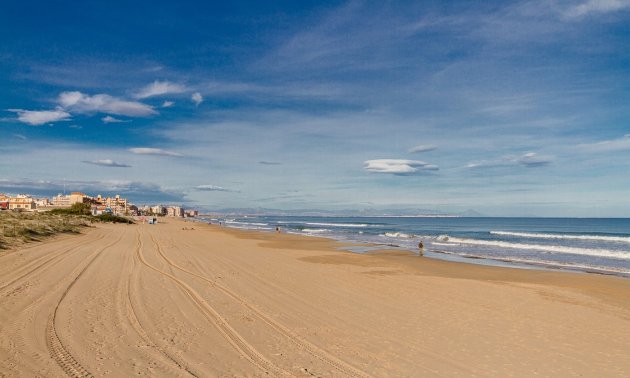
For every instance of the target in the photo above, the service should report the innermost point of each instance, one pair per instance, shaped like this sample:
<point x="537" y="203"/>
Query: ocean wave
<point x="315" y="230"/>
<point x="623" y="255"/>
<point x="401" y="235"/>
<point x="618" y="239"/>
<point x="539" y="262"/>
<point x="358" y="225"/>
<point x="248" y="227"/>
<point x="246" y="223"/>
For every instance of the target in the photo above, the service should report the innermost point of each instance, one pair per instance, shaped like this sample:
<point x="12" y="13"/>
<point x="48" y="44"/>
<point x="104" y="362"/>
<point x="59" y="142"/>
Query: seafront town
<point x="99" y="205"/>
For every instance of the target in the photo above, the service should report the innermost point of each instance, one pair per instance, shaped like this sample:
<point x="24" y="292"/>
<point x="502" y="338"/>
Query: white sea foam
<point x="618" y="239"/>
<point x="399" y="235"/>
<point x="624" y="255"/>
<point x="605" y="269"/>
<point x="358" y="225"/>
<point x="231" y="221"/>
<point x="247" y="227"/>
<point x="315" y="230"/>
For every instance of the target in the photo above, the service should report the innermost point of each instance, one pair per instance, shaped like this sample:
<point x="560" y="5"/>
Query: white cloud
<point x="529" y="160"/>
<point x="398" y="166"/>
<point x="211" y="188"/>
<point x="81" y="103"/>
<point x="197" y="98"/>
<point x="167" y="104"/>
<point x="110" y="119"/>
<point x="619" y="144"/>
<point x="158" y="88"/>
<point x="596" y="6"/>
<point x="107" y="163"/>
<point x="20" y="136"/>
<point x="153" y="151"/>
<point x="422" y="148"/>
<point x="40" y="117"/>
<point x="532" y="159"/>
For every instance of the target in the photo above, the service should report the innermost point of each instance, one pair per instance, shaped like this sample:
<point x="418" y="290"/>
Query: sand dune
<point x="159" y="300"/>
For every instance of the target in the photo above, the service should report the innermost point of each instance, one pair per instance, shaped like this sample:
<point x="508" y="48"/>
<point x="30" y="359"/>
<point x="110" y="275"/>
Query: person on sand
<point x="277" y="230"/>
<point x="420" y="248"/>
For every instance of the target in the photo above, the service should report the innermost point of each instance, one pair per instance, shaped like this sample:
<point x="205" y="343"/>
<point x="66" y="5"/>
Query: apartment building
<point x="63" y="200"/>
<point x="22" y="202"/>
<point x="116" y="204"/>
<point x="174" y="211"/>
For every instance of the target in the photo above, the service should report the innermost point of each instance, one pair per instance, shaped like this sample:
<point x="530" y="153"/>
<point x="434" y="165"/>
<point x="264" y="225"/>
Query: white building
<point x="175" y="211"/>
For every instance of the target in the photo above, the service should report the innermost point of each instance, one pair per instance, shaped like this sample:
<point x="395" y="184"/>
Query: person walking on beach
<point x="420" y="248"/>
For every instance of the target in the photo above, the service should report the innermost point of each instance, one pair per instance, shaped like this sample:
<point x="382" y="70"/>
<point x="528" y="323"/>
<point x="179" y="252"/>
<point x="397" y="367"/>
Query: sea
<point x="595" y="245"/>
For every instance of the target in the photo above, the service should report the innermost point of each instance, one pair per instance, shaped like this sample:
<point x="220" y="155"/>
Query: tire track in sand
<point x="44" y="262"/>
<point x="58" y="351"/>
<point x="230" y="334"/>
<point x="313" y="350"/>
<point x="139" y="329"/>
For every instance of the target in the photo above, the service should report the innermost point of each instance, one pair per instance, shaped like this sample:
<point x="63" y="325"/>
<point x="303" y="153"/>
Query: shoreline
<point x="441" y="267"/>
<point x="481" y="246"/>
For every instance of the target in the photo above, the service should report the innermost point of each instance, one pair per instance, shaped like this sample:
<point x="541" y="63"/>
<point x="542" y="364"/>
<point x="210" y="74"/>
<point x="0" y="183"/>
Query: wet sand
<point x="160" y="300"/>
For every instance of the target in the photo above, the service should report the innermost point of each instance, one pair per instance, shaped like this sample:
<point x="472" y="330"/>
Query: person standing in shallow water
<point x="420" y="248"/>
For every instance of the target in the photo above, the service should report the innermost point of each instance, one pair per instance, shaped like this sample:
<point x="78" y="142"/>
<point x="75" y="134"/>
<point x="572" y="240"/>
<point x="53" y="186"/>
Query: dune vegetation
<point x="17" y="228"/>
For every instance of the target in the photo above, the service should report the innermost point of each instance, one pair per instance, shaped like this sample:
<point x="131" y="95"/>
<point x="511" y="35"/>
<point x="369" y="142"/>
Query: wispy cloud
<point x="269" y="163"/>
<point x="81" y="103"/>
<point x="422" y="148"/>
<point x="398" y="166"/>
<point x="110" y="119"/>
<point x="211" y="188"/>
<point x="40" y="117"/>
<point x="153" y="151"/>
<point x="197" y="98"/>
<point x="528" y="160"/>
<point x="595" y="7"/>
<point x="107" y="163"/>
<point x="167" y="104"/>
<point x="619" y="144"/>
<point x="20" y="136"/>
<point x="532" y="159"/>
<point x="159" y="88"/>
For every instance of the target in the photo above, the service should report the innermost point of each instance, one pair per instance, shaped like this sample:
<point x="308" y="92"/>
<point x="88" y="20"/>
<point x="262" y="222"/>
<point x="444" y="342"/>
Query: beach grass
<point x="17" y="228"/>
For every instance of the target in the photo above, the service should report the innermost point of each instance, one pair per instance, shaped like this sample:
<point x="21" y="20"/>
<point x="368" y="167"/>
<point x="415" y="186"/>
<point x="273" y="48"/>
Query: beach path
<point x="188" y="299"/>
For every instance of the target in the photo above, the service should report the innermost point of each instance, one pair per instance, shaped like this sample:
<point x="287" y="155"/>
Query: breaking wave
<point x="357" y="225"/>
<point x="399" y="235"/>
<point x="617" y="239"/>
<point x="624" y="255"/>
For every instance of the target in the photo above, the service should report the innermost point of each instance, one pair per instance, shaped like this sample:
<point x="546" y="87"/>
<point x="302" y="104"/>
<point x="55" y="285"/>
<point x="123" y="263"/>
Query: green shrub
<point x="75" y="209"/>
<point x="113" y="218"/>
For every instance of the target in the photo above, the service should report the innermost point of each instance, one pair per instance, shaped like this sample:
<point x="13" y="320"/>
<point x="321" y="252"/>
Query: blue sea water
<point x="584" y="244"/>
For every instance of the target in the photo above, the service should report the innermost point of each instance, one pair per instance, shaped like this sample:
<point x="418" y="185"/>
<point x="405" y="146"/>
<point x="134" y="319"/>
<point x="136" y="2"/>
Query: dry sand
<point x="158" y="300"/>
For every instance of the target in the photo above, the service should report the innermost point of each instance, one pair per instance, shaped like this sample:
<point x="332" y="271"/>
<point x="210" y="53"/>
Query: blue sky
<point x="508" y="108"/>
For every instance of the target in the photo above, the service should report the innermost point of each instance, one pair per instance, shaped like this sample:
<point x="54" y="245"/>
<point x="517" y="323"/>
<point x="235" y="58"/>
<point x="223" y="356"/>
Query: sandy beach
<point x="170" y="300"/>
